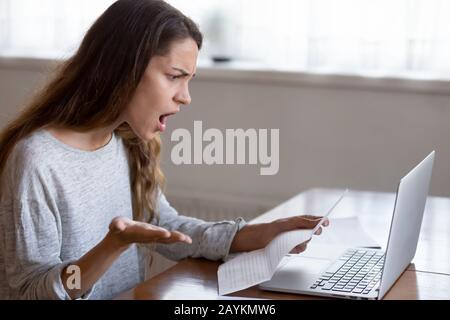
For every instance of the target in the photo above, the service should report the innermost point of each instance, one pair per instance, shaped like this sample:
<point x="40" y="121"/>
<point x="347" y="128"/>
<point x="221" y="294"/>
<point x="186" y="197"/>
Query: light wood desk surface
<point x="428" y="277"/>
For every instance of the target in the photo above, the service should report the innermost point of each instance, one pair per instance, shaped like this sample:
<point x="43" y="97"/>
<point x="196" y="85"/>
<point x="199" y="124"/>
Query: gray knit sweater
<point x="56" y="203"/>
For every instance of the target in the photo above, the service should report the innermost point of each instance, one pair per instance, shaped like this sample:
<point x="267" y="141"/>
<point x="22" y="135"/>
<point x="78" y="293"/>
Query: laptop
<point x="364" y="273"/>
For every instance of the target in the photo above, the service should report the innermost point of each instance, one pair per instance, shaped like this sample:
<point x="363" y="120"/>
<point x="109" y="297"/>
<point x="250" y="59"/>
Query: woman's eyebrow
<point x="183" y="72"/>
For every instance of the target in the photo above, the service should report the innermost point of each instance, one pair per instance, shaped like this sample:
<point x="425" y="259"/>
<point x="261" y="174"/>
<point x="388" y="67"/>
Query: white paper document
<point x="346" y="232"/>
<point x="343" y="233"/>
<point x="251" y="268"/>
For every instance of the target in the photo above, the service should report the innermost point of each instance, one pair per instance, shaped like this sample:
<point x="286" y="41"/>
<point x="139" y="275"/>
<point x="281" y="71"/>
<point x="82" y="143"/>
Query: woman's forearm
<point x="254" y="236"/>
<point x="257" y="236"/>
<point x="93" y="265"/>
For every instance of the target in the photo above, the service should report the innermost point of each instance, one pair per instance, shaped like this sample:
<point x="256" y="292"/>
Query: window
<point x="394" y="37"/>
<point x="45" y="28"/>
<point x="382" y="37"/>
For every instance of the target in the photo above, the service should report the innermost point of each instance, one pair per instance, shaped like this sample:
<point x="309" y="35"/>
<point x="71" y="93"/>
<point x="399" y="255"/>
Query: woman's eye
<point x="172" y="77"/>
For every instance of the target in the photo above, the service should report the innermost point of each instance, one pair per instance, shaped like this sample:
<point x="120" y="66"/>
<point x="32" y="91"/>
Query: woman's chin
<point x="150" y="136"/>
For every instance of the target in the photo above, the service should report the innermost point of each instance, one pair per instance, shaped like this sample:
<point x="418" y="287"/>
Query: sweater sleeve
<point x="210" y="240"/>
<point x="31" y="247"/>
<point x="32" y="238"/>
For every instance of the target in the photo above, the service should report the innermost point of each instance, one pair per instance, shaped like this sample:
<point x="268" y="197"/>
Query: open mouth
<point x="162" y="120"/>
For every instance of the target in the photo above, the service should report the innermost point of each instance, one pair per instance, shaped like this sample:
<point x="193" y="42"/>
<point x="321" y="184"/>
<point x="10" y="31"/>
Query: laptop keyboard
<point x="356" y="271"/>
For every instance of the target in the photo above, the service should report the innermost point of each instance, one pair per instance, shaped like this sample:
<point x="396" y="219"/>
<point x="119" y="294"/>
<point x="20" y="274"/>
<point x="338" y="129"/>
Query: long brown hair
<point x="92" y="88"/>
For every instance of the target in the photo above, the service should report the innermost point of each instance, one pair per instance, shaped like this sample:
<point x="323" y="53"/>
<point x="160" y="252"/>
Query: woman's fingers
<point x="316" y="218"/>
<point x="118" y="224"/>
<point x="129" y="231"/>
<point x="303" y="222"/>
<point x="176" y="236"/>
<point x="311" y="217"/>
<point x="318" y="231"/>
<point x="300" y="248"/>
<point x="306" y="222"/>
<point x="181" y="237"/>
<point x="141" y="233"/>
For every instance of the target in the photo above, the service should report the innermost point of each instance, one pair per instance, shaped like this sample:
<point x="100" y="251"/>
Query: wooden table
<point x="428" y="277"/>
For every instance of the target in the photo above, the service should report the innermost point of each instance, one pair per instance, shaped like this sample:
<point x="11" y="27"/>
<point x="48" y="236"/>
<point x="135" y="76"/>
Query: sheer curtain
<point x="370" y="37"/>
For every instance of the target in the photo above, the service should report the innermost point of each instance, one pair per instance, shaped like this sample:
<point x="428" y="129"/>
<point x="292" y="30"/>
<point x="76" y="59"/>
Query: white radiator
<point x="210" y="207"/>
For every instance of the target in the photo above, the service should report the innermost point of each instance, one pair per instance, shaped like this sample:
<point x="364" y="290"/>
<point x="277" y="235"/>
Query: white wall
<point x="330" y="135"/>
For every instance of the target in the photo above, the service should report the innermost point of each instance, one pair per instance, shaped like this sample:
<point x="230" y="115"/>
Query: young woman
<point x="80" y="175"/>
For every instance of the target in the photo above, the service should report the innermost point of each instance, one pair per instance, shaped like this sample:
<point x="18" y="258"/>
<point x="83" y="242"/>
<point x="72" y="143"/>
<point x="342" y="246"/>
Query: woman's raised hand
<point x="126" y="231"/>
<point x="302" y="222"/>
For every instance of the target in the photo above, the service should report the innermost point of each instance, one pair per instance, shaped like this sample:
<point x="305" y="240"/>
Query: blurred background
<point x="359" y="89"/>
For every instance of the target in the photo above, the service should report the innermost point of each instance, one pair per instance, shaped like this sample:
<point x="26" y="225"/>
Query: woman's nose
<point x="184" y="97"/>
